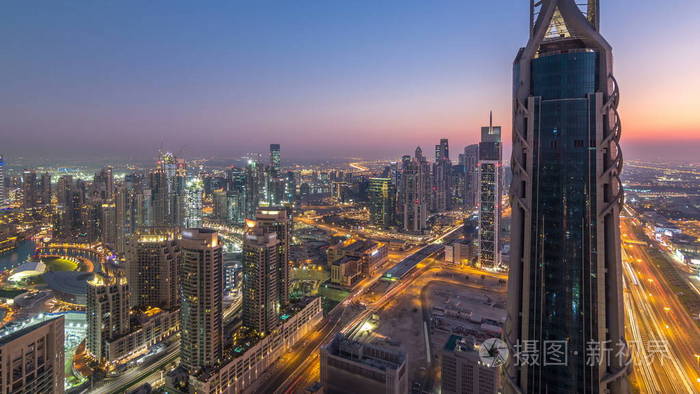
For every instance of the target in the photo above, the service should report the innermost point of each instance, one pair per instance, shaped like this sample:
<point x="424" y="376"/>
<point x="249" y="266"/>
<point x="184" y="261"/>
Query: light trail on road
<point x="655" y="318"/>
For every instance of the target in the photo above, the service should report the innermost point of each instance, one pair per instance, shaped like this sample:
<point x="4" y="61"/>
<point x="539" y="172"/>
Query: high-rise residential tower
<point x="107" y="312"/>
<point x="152" y="265"/>
<point x="489" y="194"/>
<point x="565" y="274"/>
<point x="201" y="288"/>
<point x="261" y="304"/>
<point x="277" y="220"/>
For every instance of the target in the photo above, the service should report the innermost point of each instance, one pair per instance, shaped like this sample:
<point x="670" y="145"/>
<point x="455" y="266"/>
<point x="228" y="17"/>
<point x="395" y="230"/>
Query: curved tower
<point x="565" y="287"/>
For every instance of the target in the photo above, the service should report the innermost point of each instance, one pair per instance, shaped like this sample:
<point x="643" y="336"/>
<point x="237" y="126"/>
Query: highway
<point x="137" y="374"/>
<point x="290" y="372"/>
<point x="665" y="341"/>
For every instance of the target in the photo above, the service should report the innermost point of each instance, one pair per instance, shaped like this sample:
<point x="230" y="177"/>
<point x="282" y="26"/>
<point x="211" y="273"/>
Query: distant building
<point x="471" y="182"/>
<point x="3" y="191"/>
<point x="462" y="370"/>
<point x="29" y="189"/>
<point x="490" y="157"/>
<point x="348" y="366"/>
<point x="441" y="176"/>
<point x="108" y="224"/>
<point x="45" y="189"/>
<point x="382" y="199"/>
<point x="32" y="358"/>
<point x="201" y="289"/>
<point x="414" y="193"/>
<point x="275" y="159"/>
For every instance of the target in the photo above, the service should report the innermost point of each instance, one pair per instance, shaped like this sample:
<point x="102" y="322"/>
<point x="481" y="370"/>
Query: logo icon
<point x="493" y="352"/>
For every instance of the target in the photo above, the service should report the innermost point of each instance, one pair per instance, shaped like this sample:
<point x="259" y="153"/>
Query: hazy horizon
<point x="325" y="80"/>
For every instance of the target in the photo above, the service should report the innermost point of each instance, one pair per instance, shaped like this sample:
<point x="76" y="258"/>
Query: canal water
<point x="17" y="256"/>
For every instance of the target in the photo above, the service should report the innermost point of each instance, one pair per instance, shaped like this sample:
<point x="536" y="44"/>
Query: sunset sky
<point x="323" y="78"/>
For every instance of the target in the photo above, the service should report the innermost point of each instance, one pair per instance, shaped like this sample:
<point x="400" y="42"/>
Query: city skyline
<point x="327" y="197"/>
<point x="319" y="77"/>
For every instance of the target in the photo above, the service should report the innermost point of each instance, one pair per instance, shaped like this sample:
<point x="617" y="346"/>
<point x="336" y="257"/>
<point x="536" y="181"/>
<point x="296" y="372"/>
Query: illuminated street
<point x="316" y="197"/>
<point x="654" y="316"/>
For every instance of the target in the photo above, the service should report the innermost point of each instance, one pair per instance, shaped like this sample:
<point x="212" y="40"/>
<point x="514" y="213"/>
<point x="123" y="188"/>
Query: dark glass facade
<point x="563" y="252"/>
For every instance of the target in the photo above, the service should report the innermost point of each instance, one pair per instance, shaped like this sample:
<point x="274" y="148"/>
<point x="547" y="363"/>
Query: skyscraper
<point x="471" y="182"/>
<point x="201" y="288"/>
<point x="108" y="224"/>
<point x="489" y="170"/>
<point x="414" y="193"/>
<point x="382" y="198"/>
<point x="261" y="304"/>
<point x="152" y="260"/>
<point x="275" y="159"/>
<point x="277" y="220"/>
<point x="254" y="186"/>
<point x="565" y="274"/>
<point x="45" y="189"/>
<point x="3" y="192"/>
<point x="107" y="312"/>
<point x="29" y="189"/>
<point x="442" y="169"/>
<point x="193" y="203"/>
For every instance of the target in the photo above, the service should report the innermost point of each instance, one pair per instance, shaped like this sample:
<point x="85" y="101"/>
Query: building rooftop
<point x="456" y="343"/>
<point x="372" y="355"/>
<point x="16" y="329"/>
<point x="345" y="260"/>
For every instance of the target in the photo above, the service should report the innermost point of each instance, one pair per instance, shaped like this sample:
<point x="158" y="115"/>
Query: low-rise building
<point x="371" y="254"/>
<point x="346" y="271"/>
<point x="349" y="366"/>
<point x="459" y="253"/>
<point x="151" y="327"/>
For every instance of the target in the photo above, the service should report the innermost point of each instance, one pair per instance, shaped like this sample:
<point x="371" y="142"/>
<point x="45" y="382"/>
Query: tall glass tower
<point x="489" y="170"/>
<point x="2" y="183"/>
<point x="565" y="285"/>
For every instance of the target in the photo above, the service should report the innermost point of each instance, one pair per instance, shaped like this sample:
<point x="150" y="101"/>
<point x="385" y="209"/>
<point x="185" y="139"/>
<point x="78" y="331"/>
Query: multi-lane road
<point x="664" y="339"/>
<point x="295" y="367"/>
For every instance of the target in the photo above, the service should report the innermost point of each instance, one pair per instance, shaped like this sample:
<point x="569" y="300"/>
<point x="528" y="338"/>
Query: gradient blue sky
<point x="323" y="78"/>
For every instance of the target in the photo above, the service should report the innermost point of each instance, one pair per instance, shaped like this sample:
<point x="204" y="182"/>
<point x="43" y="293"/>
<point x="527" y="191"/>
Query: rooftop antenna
<point x="491" y="120"/>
